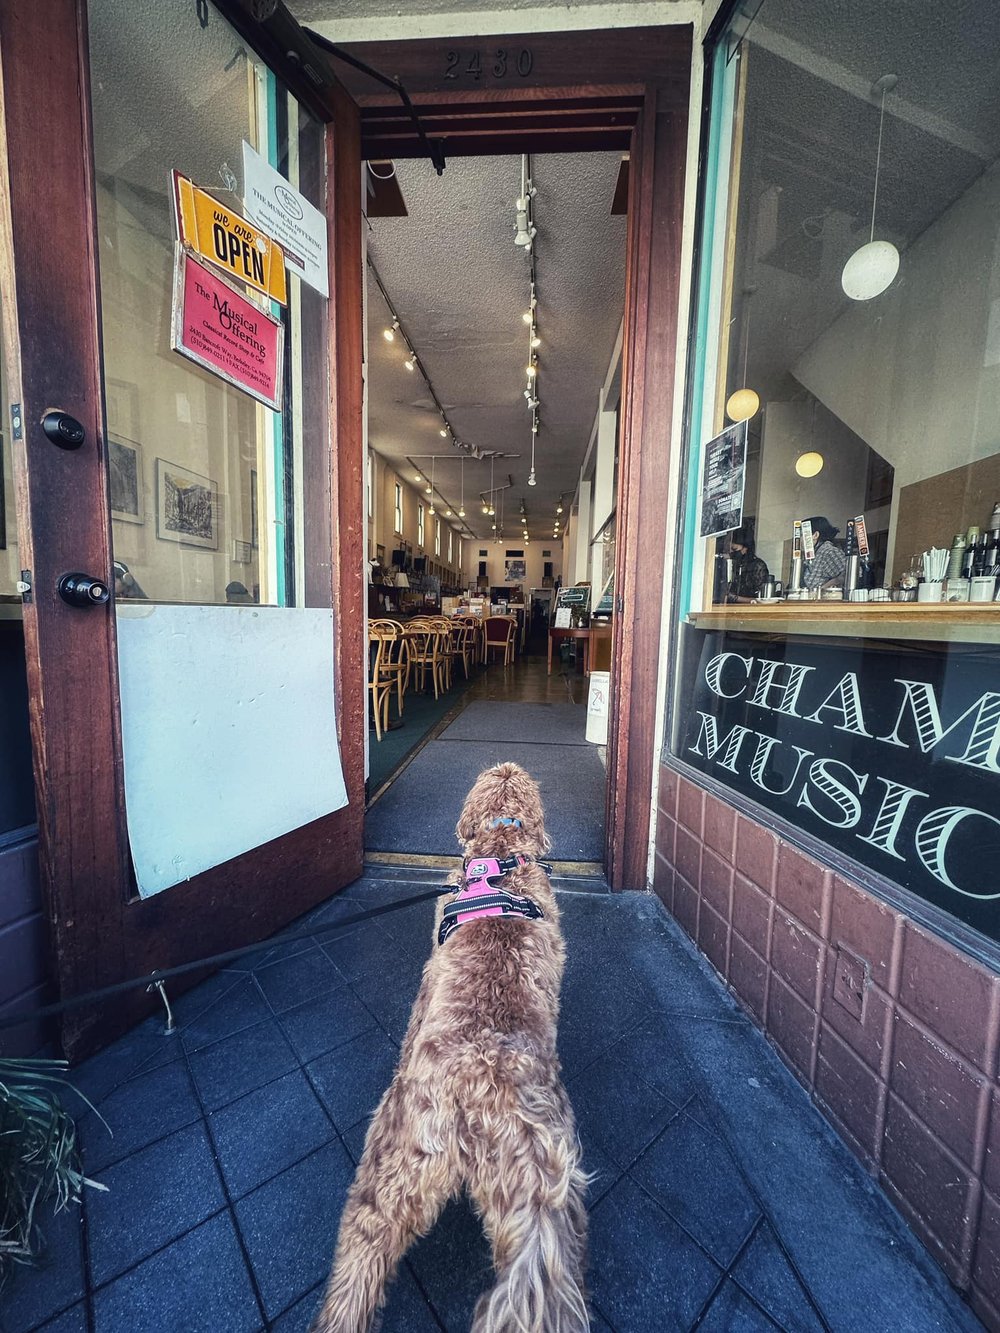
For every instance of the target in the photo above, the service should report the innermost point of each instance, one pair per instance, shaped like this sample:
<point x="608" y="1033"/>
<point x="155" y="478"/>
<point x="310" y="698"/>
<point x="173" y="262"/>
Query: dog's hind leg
<point x="531" y="1198"/>
<point x="397" y="1194"/>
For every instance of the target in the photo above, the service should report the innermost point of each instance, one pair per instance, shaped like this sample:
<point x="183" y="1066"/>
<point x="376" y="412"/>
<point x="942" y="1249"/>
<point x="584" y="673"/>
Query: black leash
<point x="151" y="979"/>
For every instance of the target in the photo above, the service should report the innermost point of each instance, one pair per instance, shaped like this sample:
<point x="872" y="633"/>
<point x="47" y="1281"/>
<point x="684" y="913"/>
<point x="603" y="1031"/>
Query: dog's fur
<point x="477" y="1102"/>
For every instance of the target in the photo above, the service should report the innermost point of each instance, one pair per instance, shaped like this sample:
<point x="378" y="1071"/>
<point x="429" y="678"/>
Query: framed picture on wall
<point x="187" y="507"/>
<point x="125" y="479"/>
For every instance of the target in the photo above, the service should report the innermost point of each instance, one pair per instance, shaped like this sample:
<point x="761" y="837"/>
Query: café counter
<point x="944" y="622"/>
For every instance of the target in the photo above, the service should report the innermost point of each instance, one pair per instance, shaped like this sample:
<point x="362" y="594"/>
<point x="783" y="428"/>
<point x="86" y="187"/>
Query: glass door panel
<point x="222" y="569"/>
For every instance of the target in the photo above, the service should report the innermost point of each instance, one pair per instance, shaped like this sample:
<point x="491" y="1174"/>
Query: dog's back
<point x="477" y="1103"/>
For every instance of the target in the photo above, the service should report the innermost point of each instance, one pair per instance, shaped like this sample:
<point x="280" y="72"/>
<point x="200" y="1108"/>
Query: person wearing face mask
<point x="750" y="572"/>
<point x="826" y="568"/>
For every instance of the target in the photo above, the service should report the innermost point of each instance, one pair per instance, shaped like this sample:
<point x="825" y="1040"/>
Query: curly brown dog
<point x="477" y="1101"/>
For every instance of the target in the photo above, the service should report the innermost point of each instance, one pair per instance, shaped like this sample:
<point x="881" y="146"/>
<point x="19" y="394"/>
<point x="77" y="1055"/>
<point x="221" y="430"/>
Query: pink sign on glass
<point x="214" y="325"/>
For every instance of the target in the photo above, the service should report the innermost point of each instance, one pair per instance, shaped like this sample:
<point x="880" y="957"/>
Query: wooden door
<point x="102" y="931"/>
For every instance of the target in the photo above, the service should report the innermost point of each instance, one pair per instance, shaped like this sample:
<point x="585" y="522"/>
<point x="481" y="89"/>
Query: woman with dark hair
<point x="750" y="572"/>
<point x="826" y="568"/>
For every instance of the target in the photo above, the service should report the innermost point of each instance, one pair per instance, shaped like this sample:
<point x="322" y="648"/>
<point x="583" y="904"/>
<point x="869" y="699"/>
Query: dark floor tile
<point x="267" y="1130"/>
<point x="137" y="1113"/>
<point x="143" y="1049"/>
<point x="453" y="1264"/>
<point x="645" y="1272"/>
<point x="732" y="1311"/>
<point x="152" y="1197"/>
<point x="616" y="1111"/>
<point x="653" y="1049"/>
<point x="602" y="1171"/>
<point x="767" y="1275"/>
<point x="290" y="1225"/>
<point x="299" y="1317"/>
<point x="237" y="1065"/>
<point x="238" y="1007"/>
<point x="207" y="993"/>
<point x="289" y="981"/>
<point x="325" y="1022"/>
<point x="366" y="951"/>
<point x="391" y="1005"/>
<point x="412" y="928"/>
<point x="71" y="1321"/>
<point x="34" y="1294"/>
<point x="199" y="1284"/>
<point x="354" y="1139"/>
<point x="352" y="1079"/>
<point x="693" y="1177"/>
<point x="598" y="1324"/>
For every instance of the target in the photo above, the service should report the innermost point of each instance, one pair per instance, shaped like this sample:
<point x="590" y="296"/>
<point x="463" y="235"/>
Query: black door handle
<point x="83" y="590"/>
<point x="63" y="430"/>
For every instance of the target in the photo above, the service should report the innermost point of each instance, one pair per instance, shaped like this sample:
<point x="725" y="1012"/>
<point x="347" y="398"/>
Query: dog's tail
<point x="541" y="1289"/>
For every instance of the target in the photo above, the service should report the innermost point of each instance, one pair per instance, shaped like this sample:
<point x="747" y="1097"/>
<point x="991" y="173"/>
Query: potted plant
<point x="39" y="1158"/>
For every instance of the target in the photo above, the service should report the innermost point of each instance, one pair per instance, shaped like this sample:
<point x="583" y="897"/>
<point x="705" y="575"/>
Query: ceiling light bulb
<point x="870" y="270"/>
<point x="486" y="509"/>
<point x="418" y="477"/>
<point x="534" y="428"/>
<point x="390" y="334"/>
<point x="411" y="363"/>
<point x="531" y="478"/>
<point x="492" y="511"/>
<point x="461" y="513"/>
<point x="428" y="489"/>
<point x="443" y="433"/>
<point x="559" y="507"/>
<point x="535" y="340"/>
<point x="532" y="370"/>
<point x="447" y="513"/>
<point x="527" y="317"/>
<point x="432" y="510"/>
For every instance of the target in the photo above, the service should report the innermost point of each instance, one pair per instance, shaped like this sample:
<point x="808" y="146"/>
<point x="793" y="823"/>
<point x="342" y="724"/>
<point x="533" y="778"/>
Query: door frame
<point x="100" y="932"/>
<point x="625" y="88"/>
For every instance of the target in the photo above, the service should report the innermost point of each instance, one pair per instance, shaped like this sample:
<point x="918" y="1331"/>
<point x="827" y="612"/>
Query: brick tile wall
<point x="894" y="1032"/>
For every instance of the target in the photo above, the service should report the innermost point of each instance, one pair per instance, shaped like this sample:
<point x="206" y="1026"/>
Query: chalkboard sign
<point x="888" y="752"/>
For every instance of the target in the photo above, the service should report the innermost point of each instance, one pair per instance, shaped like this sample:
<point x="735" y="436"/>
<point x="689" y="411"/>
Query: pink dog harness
<point x="481" y="894"/>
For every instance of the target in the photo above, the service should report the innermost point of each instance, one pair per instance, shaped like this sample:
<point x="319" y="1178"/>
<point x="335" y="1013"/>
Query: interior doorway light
<point x="871" y="269"/>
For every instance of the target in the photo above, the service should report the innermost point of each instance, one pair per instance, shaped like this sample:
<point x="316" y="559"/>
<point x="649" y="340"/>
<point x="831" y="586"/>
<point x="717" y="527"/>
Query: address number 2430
<point x="498" y="64"/>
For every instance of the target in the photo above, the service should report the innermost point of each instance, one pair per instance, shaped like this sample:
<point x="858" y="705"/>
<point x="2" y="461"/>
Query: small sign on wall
<point x="217" y="327"/>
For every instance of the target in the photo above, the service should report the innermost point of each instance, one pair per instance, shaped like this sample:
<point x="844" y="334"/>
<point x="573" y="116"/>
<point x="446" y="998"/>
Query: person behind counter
<point x="750" y="572"/>
<point x="827" y="567"/>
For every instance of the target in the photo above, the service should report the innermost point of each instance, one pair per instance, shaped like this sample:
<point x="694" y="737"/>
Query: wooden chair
<point x="394" y="664"/>
<point x="465" y="637"/>
<point x="379" y="685"/>
<point x="424" y="640"/>
<point x="500" y="631"/>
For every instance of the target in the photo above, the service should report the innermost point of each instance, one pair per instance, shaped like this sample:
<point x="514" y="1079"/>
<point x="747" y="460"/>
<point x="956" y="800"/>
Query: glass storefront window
<point x="206" y="483"/>
<point x="839" y="626"/>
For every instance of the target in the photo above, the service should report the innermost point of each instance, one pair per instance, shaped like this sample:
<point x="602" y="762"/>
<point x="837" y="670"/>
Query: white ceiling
<point x="459" y="286"/>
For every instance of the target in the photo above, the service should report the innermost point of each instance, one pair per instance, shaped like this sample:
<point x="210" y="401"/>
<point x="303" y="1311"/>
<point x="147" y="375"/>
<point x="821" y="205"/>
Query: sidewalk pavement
<point x="720" y="1198"/>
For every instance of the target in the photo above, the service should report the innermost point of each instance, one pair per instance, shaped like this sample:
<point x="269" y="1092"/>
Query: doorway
<point x="625" y="91"/>
<point x="495" y="300"/>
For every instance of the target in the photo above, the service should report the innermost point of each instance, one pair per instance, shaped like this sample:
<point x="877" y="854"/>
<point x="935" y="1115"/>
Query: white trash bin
<point x="597" y="707"/>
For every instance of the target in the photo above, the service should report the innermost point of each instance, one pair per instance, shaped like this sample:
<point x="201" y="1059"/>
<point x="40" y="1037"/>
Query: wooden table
<point x="558" y="635"/>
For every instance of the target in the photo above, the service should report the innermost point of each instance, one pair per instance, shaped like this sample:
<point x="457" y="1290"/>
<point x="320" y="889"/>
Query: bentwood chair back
<point x="500" y="631"/>
<point x="379" y="684"/>
<point x="424" y="640"/>
<point x="394" y="664"/>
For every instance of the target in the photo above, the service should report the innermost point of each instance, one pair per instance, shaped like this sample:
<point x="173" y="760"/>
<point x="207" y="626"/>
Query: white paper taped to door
<point x="229" y="731"/>
<point x="286" y="215"/>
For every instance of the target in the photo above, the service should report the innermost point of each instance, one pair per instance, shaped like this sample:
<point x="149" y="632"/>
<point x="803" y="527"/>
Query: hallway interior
<point x="716" y="1187"/>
